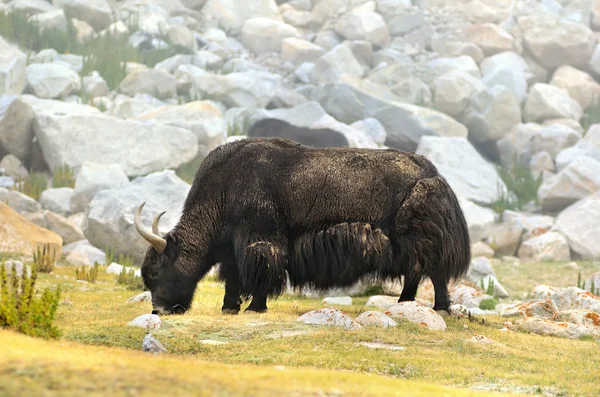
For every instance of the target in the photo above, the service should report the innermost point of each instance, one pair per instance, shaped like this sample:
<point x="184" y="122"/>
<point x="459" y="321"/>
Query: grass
<point x="44" y="260"/>
<point x="521" y="185"/>
<point x="591" y="115"/>
<point x="32" y="185"/>
<point x="63" y="176"/>
<point x="99" y="314"/>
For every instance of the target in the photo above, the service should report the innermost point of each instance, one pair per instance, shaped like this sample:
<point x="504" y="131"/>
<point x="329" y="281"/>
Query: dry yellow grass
<point x="320" y="360"/>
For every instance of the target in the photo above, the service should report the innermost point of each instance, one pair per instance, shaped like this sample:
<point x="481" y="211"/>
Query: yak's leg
<point x="409" y="291"/>
<point x="229" y="273"/>
<point x="258" y="304"/>
<point x="442" y="298"/>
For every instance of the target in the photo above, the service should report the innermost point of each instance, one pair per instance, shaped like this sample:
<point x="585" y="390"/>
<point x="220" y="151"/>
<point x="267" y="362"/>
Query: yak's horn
<point x="155" y="224"/>
<point x="157" y="242"/>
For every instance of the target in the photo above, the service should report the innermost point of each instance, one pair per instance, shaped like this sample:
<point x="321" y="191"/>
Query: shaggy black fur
<point x="316" y="137"/>
<point x="267" y="208"/>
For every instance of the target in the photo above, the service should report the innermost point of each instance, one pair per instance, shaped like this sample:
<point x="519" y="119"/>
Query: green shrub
<point x="63" y="177"/>
<point x="24" y="311"/>
<point x="130" y="280"/>
<point x="32" y="185"/>
<point x="87" y="274"/>
<point x="522" y="187"/>
<point x="488" y="304"/>
<point x="44" y="260"/>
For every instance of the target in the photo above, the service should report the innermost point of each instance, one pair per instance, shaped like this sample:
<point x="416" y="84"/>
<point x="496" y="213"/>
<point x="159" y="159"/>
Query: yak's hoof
<point x="259" y="311"/>
<point x="442" y="312"/>
<point x="230" y="311"/>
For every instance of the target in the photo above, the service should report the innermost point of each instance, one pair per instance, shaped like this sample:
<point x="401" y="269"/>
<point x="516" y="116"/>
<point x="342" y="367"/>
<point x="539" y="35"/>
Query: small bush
<point x="87" y="274"/>
<point x="488" y="304"/>
<point x="44" y="260"/>
<point x="522" y="187"/>
<point x="130" y="280"/>
<point x="32" y="185"/>
<point x="63" y="177"/>
<point x="21" y="309"/>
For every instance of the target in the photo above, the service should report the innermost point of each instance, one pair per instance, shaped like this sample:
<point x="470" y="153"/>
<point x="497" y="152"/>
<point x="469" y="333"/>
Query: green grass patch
<point x="521" y="185"/>
<point x="33" y="185"/>
<point x="63" y="176"/>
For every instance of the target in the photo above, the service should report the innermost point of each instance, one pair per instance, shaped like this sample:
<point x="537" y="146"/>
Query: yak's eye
<point x="153" y="274"/>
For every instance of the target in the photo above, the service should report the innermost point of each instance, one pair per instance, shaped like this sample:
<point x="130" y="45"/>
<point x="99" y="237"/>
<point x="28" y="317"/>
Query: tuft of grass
<point x="21" y="309"/>
<point x="32" y="185"/>
<point x="591" y="115"/>
<point x="239" y="126"/>
<point x="521" y="187"/>
<point x="488" y="304"/>
<point x="130" y="280"/>
<point x="63" y="177"/>
<point x="44" y="260"/>
<point x="87" y="274"/>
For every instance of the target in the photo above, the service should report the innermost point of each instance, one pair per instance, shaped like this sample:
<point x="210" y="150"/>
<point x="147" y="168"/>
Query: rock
<point x="479" y="219"/>
<point x="51" y="80"/>
<point x="413" y="91"/>
<point x="491" y="38"/>
<point x="491" y="114"/>
<point x="453" y="48"/>
<point x="19" y="266"/>
<point x="146" y="321"/>
<point x="114" y="268"/>
<point x="92" y="178"/>
<point x="512" y="79"/>
<point x="110" y="218"/>
<point x="77" y="259"/>
<point x="127" y="108"/>
<point x="505" y="237"/>
<point x="329" y="317"/>
<point x="203" y="118"/>
<point x="94" y="85"/>
<point x="554" y="138"/>
<point x="372" y="128"/>
<point x="50" y="20"/>
<point x="516" y="145"/>
<point x="406" y="22"/>
<point x="546" y="102"/>
<point x="545" y="309"/>
<point x="154" y="82"/>
<point x="231" y="14"/>
<point x="508" y="60"/>
<point x="417" y="313"/>
<point x="145" y="296"/>
<point x="580" y="317"/>
<point x="262" y="35"/>
<point x="381" y="301"/>
<point x="18" y="201"/>
<point x="83" y="30"/>
<point x="463" y="63"/>
<point x="57" y="200"/>
<point x="138" y="147"/>
<point x="592" y="284"/>
<point x="183" y="37"/>
<point x="85" y="253"/>
<point x="453" y="92"/>
<point x="60" y="225"/>
<point x="554" y="41"/>
<point x="297" y="18"/>
<point x="13" y="167"/>
<point x="543" y="326"/>
<point x="298" y="51"/>
<point x="459" y="162"/>
<point x="467" y="296"/>
<point x="533" y="225"/>
<point x="152" y="345"/>
<point x="576" y="181"/>
<point x="337" y="301"/>
<point x="16" y="134"/>
<point x="19" y="236"/>
<point x="12" y="69"/>
<point x="573" y="298"/>
<point x="360" y="24"/>
<point x="95" y="12"/>
<point x="479" y="268"/>
<point x="481" y="249"/>
<point x="336" y="62"/>
<point x="581" y="86"/>
<point x="354" y="137"/>
<point x="381" y="346"/>
<point x="375" y="319"/>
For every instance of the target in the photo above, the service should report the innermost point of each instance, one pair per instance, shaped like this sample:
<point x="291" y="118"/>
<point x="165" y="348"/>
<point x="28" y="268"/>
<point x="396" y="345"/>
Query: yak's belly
<point x="339" y="255"/>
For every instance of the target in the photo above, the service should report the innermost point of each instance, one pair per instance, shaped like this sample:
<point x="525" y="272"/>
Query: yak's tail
<point x="261" y="267"/>
<point x="432" y="237"/>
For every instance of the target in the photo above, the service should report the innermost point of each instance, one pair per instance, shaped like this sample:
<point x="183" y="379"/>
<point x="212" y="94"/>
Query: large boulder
<point x="554" y="138"/>
<point x="92" y="178"/>
<point x="336" y="62"/>
<point x="468" y="173"/>
<point x="453" y="92"/>
<point x="513" y="79"/>
<point x="580" y="85"/>
<point x="21" y="237"/>
<point x="580" y="224"/>
<point x="554" y="41"/>
<point x="490" y="37"/>
<point x="576" y="181"/>
<point x="18" y="201"/>
<point x="12" y="69"/>
<point x="517" y="145"/>
<point x="231" y="14"/>
<point x="588" y="146"/>
<point x="551" y="246"/>
<point x="479" y="219"/>
<point x="95" y="12"/>
<point x="110" y="216"/>
<point x="57" y="200"/>
<point x="138" y="147"/>
<point x="546" y="102"/>
<point x="363" y="24"/>
<point x="262" y="35"/>
<point x="298" y="51"/>
<point x="154" y="82"/>
<point x="60" y="225"/>
<point x="52" y="80"/>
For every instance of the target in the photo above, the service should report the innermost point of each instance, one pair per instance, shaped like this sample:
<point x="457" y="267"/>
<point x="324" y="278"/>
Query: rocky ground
<point x="501" y="96"/>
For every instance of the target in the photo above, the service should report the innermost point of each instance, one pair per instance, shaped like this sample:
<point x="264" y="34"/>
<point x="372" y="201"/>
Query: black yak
<point x="271" y="208"/>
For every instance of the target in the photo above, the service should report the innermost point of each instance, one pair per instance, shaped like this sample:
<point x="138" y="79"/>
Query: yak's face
<point x="172" y="291"/>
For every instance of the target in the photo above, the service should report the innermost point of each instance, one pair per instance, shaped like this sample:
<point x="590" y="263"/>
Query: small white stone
<point x="147" y="321"/>
<point x="338" y="300"/>
<point x="381" y="346"/>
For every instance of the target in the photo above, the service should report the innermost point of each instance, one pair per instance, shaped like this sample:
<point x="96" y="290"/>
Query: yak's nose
<point x="178" y="309"/>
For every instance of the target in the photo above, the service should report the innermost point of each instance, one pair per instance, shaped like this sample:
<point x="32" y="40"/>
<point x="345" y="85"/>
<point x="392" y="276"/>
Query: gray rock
<point x="51" y="80"/>
<point x="84" y="249"/>
<point x="375" y="319"/>
<point x="413" y="91"/>
<point x="362" y="24"/>
<point x="263" y="35"/>
<point x="145" y="296"/>
<point x="298" y="51"/>
<point x="548" y="247"/>
<point x="57" y="200"/>
<point x="381" y="301"/>
<point x="127" y="108"/>
<point x="156" y="83"/>
<point x="337" y="301"/>
<point x="16" y="133"/>
<point x="513" y="79"/>
<point x="505" y="237"/>
<point x="329" y="317"/>
<point x="152" y="345"/>
<point x="547" y="102"/>
<point x="94" y="85"/>
<point x="509" y="60"/>
<point x="533" y="224"/>
<point x="30" y="6"/>
<point x="580" y="224"/>
<point x="66" y="229"/>
<point x="13" y="167"/>
<point x="339" y="60"/>
<point x="18" y="201"/>
<point x="372" y="128"/>
<point x="95" y="12"/>
<point x="146" y="321"/>
<point x="92" y="178"/>
<point x="516" y="145"/>
<point x="459" y="162"/>
<point x="138" y="147"/>
<point x="110" y="217"/>
<point x="540" y="162"/>
<point x="232" y="14"/>
<point x="554" y="138"/>
<point x="462" y="63"/>
<point x="12" y="69"/>
<point x="19" y="266"/>
<point x="479" y="219"/>
<point x="453" y="92"/>
<point x="581" y="86"/>
<point x="51" y="20"/>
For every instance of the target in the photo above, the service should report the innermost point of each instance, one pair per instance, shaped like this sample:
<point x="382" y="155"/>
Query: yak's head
<point x="172" y="290"/>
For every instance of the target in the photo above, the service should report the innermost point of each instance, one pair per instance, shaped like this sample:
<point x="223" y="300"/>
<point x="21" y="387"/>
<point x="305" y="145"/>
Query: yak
<point x="271" y="209"/>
